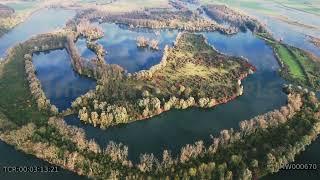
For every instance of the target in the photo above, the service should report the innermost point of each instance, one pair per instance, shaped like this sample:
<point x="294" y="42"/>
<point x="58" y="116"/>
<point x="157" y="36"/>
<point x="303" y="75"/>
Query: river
<point x="41" y="21"/>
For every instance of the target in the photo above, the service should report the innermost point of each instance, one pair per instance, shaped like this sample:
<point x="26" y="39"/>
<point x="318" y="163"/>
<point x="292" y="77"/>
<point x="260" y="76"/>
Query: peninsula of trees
<point x="165" y="18"/>
<point x="237" y="20"/>
<point x="190" y="74"/>
<point x="5" y="11"/>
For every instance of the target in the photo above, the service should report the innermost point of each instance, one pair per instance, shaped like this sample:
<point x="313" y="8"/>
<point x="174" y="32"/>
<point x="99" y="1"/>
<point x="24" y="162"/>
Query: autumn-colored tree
<point x="147" y="162"/>
<point x="142" y="41"/>
<point x="154" y="44"/>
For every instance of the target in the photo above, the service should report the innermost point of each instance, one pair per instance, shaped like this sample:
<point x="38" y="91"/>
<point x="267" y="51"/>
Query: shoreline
<point x="24" y="19"/>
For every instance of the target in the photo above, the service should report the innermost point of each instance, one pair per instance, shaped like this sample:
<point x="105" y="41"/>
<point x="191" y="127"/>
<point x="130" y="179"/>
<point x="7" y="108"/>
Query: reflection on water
<point x="246" y="45"/>
<point x="173" y="129"/>
<point x="83" y="50"/>
<point x="40" y="22"/>
<point x="122" y="49"/>
<point x="60" y="83"/>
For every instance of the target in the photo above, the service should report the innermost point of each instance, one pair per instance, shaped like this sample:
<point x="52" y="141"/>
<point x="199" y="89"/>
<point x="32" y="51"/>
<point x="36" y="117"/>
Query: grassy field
<point x="302" y="65"/>
<point x="265" y="6"/>
<point x="242" y="4"/>
<point x="310" y="6"/>
<point x="288" y="58"/>
<point x="124" y="5"/>
<point x="191" y="69"/>
<point x="311" y="66"/>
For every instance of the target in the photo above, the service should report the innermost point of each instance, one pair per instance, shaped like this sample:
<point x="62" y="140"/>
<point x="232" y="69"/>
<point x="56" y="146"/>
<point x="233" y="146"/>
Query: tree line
<point x="248" y="153"/>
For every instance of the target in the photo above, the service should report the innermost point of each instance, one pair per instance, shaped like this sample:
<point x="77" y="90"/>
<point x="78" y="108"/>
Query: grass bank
<point x="297" y="66"/>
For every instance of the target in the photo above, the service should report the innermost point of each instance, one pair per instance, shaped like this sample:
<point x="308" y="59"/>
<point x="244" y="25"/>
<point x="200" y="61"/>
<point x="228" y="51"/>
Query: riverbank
<point x="297" y="66"/>
<point x="47" y="20"/>
<point x="9" y="22"/>
<point x="235" y="19"/>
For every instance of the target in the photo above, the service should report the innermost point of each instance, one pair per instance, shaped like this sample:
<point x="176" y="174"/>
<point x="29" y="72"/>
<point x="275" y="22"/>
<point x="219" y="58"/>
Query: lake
<point x="170" y="130"/>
